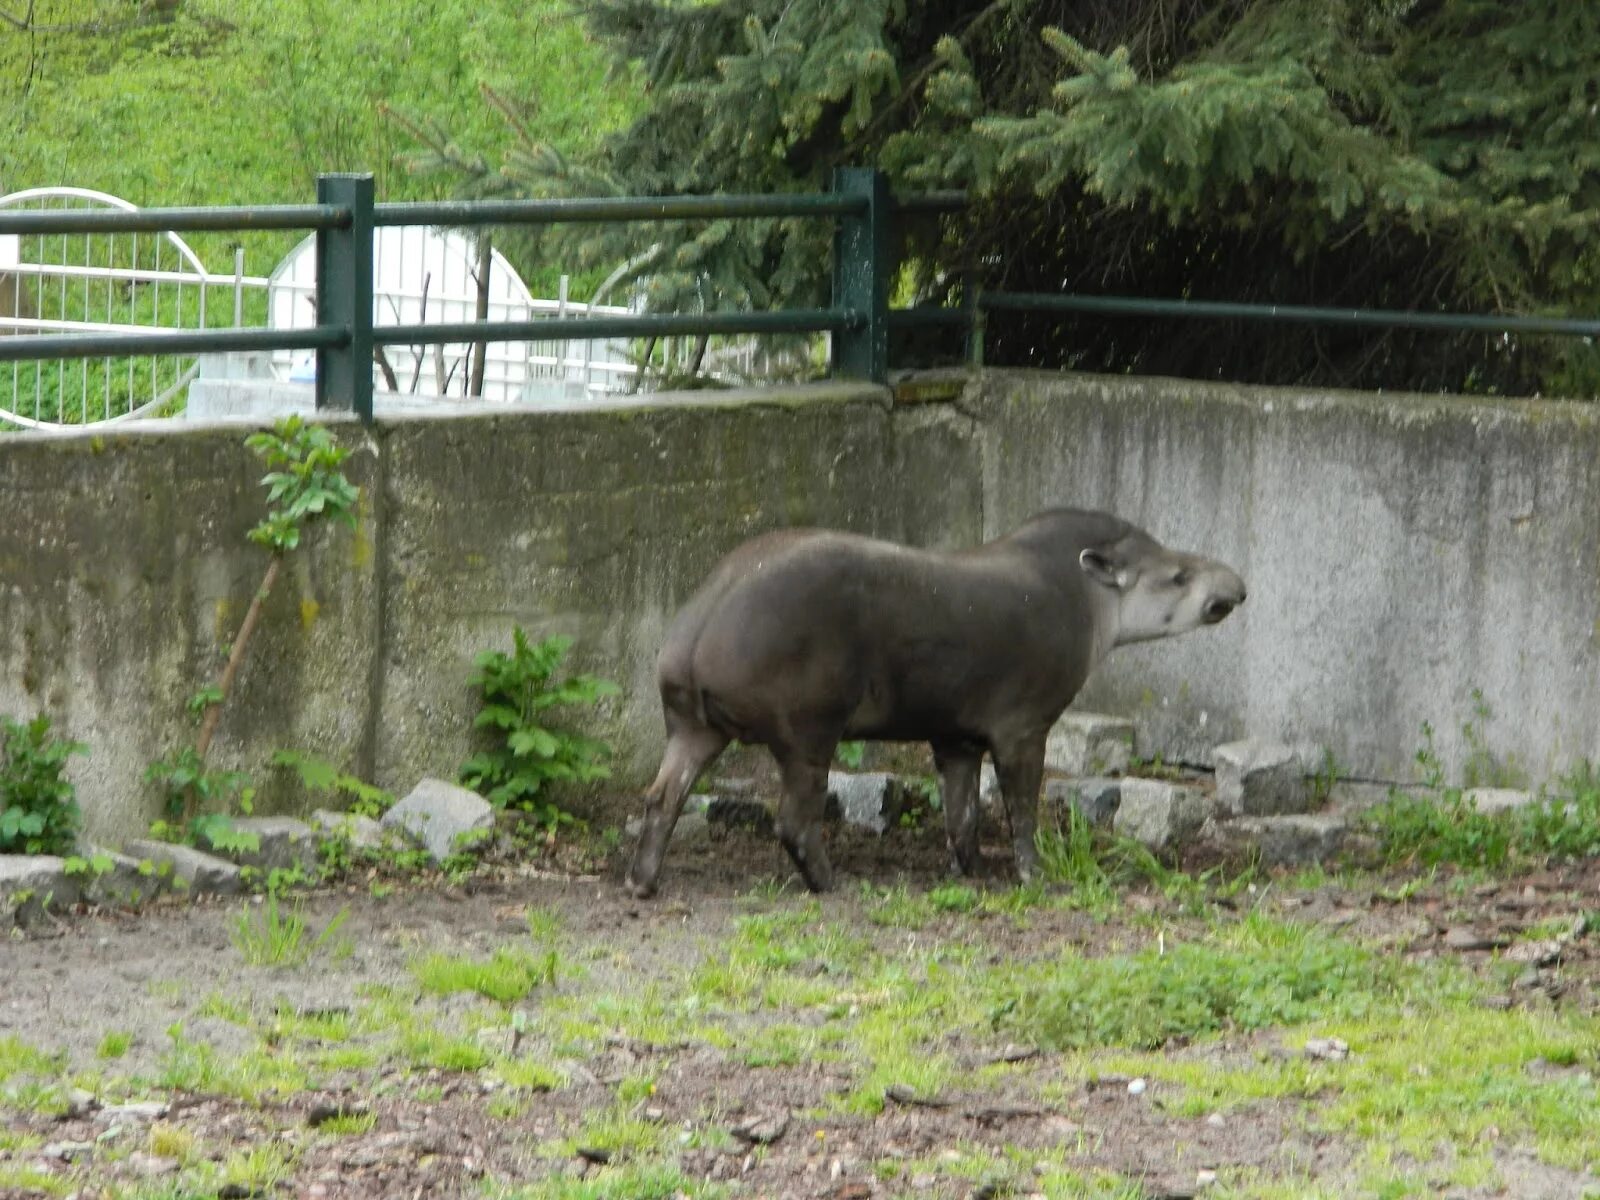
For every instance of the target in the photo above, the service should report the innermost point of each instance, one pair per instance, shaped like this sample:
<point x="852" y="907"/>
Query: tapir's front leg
<point x="958" y="789"/>
<point x="1020" y="764"/>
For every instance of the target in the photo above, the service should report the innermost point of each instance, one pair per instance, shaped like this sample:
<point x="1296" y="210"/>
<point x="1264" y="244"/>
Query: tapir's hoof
<point x="640" y="891"/>
<point x="819" y="881"/>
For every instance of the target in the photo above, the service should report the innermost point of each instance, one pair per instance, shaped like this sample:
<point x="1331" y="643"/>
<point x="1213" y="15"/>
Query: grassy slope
<point x="239" y="104"/>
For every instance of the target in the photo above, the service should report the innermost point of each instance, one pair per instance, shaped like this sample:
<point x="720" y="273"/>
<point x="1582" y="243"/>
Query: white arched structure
<point x="107" y="283"/>
<point x="428" y="276"/>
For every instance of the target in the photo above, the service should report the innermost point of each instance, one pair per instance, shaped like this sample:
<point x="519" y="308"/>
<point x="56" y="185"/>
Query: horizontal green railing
<point x="859" y="316"/>
<point x="1139" y="306"/>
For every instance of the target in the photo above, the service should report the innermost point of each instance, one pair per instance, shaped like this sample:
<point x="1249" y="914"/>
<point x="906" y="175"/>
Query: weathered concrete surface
<point x="1400" y="552"/>
<point x="124" y="573"/>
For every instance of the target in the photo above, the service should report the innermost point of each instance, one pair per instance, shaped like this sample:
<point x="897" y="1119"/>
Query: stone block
<point x="1096" y="800"/>
<point x="31" y="883"/>
<point x="1292" y="840"/>
<point x="362" y="832"/>
<point x="437" y="813"/>
<point x="127" y="883"/>
<point x="1084" y="744"/>
<point x="1260" y="779"/>
<point x="283" y="843"/>
<point x="197" y="871"/>
<point x="872" y="799"/>
<point x="1498" y="800"/>
<point x="739" y="812"/>
<point x="1158" y="813"/>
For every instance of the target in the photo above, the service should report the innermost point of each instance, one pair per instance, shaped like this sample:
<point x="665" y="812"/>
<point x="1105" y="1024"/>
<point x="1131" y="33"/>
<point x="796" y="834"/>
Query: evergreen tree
<point x="1411" y="154"/>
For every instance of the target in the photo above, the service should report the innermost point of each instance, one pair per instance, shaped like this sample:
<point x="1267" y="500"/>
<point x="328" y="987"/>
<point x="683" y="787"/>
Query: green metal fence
<point x="860" y="204"/>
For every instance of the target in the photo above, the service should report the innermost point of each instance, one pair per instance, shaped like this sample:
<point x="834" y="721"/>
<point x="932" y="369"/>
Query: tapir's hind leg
<point x="691" y="748"/>
<point x="805" y="796"/>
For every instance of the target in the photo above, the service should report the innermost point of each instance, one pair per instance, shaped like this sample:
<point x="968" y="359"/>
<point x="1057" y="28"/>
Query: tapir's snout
<point x="1229" y="596"/>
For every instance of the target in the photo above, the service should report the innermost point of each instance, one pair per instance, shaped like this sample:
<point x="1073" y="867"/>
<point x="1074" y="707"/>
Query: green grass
<point x="19" y="1058"/>
<point x="425" y="1047"/>
<point x="630" y="1181"/>
<point x="1254" y="974"/>
<point x="114" y="1044"/>
<point x="1448" y="829"/>
<point x="152" y="113"/>
<point x="266" y="936"/>
<point x="618" y="1132"/>
<point x="507" y="976"/>
<point x="24" y="1179"/>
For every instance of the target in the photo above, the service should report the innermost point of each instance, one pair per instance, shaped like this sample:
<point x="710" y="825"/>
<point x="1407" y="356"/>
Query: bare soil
<point x="65" y="986"/>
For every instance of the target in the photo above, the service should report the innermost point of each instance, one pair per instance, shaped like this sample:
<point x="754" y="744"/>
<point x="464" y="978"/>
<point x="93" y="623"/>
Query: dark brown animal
<point x="802" y="638"/>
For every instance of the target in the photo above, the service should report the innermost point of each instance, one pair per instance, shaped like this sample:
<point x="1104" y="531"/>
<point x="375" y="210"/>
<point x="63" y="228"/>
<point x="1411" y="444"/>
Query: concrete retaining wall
<point x="1400" y="552"/>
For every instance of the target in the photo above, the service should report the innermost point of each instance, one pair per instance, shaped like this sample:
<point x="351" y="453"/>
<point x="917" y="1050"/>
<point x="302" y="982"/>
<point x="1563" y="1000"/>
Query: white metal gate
<point x="108" y="283"/>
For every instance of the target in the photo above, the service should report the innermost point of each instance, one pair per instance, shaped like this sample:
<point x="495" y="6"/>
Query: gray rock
<point x="135" y="1110"/>
<point x="692" y="824"/>
<point x="1260" y="779"/>
<point x="363" y="833"/>
<point x="31" y="883"/>
<point x="196" y="871"/>
<point x="1085" y="744"/>
<point x="1096" y="800"/>
<point x="436" y="813"/>
<point x="989" y="788"/>
<point x="739" y="812"/>
<point x="1498" y="800"/>
<point x="128" y="882"/>
<point x="66" y="1151"/>
<point x="871" y="799"/>
<point x="1293" y="840"/>
<point x="1158" y="813"/>
<point x="284" y="843"/>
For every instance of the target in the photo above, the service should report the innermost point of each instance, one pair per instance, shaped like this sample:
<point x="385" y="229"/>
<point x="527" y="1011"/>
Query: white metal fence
<point x="115" y="283"/>
<point x="107" y="283"/>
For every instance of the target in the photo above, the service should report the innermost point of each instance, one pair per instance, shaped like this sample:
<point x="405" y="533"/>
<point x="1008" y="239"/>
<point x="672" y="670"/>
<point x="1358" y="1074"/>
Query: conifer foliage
<point x="1411" y="154"/>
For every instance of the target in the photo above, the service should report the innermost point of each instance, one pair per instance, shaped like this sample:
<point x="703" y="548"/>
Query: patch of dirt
<point x="762" y="1131"/>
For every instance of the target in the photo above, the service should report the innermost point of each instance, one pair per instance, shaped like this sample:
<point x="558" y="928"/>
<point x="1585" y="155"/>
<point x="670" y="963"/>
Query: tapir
<point x="802" y="638"/>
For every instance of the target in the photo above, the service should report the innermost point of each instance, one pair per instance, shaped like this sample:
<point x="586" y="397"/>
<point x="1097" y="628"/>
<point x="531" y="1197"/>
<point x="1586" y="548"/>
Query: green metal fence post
<point x="861" y="268"/>
<point x="344" y="297"/>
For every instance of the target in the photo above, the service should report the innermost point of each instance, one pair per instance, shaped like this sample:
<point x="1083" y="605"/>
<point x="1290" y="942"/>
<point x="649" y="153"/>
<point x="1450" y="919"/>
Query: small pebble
<point x="1332" y="1049"/>
<point x="1136" y="1087"/>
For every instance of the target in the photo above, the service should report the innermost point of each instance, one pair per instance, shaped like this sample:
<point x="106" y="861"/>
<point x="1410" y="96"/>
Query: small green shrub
<point x="186" y="785"/>
<point x="1428" y="831"/>
<point x="518" y="690"/>
<point x="1448" y="829"/>
<point x="38" y="806"/>
<point x="362" y="799"/>
<point x="850" y="755"/>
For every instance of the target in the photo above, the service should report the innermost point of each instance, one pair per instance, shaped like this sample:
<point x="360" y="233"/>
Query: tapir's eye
<point x="1181" y="579"/>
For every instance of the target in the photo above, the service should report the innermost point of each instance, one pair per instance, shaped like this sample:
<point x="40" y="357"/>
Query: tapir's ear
<point x="1101" y="568"/>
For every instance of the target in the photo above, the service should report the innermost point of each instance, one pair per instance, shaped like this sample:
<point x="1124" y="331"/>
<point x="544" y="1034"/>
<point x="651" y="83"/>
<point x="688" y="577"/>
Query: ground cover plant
<point x="38" y="806"/>
<point x="521" y="1033"/>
